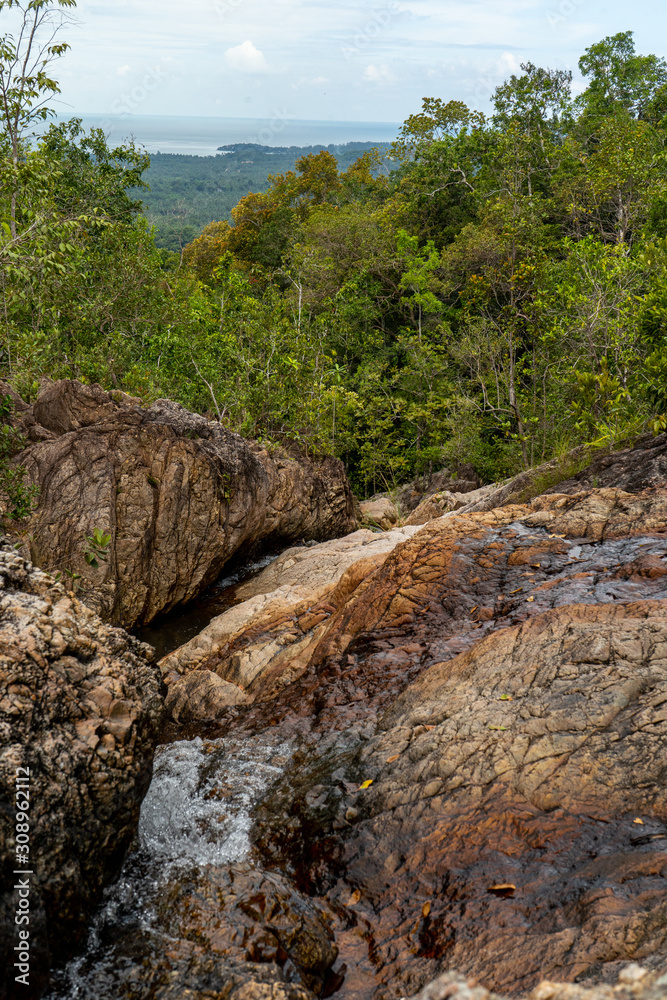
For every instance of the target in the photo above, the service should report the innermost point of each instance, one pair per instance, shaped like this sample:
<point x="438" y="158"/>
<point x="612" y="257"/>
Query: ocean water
<point x="202" y="136"/>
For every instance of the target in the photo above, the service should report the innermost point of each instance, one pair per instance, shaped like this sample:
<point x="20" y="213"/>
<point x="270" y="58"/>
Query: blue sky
<point x="324" y="59"/>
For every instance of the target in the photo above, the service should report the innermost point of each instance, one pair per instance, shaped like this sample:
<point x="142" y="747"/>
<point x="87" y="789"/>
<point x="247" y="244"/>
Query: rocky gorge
<point x="399" y="751"/>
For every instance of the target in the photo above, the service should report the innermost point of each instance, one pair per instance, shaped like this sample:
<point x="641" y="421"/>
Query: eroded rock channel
<point x="395" y="754"/>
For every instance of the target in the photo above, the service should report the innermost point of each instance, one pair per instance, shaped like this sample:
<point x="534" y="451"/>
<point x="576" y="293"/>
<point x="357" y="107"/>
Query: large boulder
<point x="81" y="706"/>
<point x="179" y="494"/>
<point x="380" y="513"/>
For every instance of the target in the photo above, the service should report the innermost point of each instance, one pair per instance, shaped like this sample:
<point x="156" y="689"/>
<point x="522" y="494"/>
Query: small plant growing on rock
<point x="20" y="497"/>
<point x="98" y="548"/>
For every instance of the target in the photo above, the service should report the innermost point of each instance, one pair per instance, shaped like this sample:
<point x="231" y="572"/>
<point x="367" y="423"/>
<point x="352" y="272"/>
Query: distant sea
<point x="202" y="136"/>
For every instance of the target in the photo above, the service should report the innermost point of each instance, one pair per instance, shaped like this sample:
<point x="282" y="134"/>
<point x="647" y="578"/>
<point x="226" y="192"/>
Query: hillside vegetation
<point x="185" y="193"/>
<point x="497" y="298"/>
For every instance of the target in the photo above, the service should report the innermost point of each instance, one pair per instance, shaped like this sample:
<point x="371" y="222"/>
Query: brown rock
<point x="80" y="709"/>
<point x="521" y="762"/>
<point x="445" y="502"/>
<point x="634" y="983"/>
<point x="179" y="494"/>
<point x="218" y="933"/>
<point x="642" y="467"/>
<point x="202" y="695"/>
<point x="633" y="470"/>
<point x="380" y="513"/>
<point x="264" y="643"/>
<point x="465" y="480"/>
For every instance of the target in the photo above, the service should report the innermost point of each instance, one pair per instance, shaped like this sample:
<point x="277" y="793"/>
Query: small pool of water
<point x="168" y="633"/>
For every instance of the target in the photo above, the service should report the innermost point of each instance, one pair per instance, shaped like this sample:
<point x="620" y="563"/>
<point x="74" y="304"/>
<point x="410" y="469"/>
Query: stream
<point x="196" y="817"/>
<point x="171" y="631"/>
<point x="196" y="814"/>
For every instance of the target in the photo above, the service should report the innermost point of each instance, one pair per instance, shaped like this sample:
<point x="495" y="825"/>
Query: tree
<point x="621" y="80"/>
<point x="25" y="86"/>
<point x="534" y="112"/>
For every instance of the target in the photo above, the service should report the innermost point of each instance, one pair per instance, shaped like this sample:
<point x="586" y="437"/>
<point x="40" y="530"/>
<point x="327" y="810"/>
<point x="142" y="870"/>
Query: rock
<point x="202" y="695"/>
<point x="380" y="513"/>
<point x="644" y="466"/>
<point x="641" y="467"/>
<point x="634" y="983"/>
<point x="464" y="480"/>
<point x="81" y="706"/>
<point x="445" y="502"/>
<point x="483" y="723"/>
<point x="179" y="494"/>
<point x="264" y="643"/>
<point x="232" y="932"/>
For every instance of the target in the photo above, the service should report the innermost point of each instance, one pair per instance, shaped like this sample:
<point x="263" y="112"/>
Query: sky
<point x="341" y="60"/>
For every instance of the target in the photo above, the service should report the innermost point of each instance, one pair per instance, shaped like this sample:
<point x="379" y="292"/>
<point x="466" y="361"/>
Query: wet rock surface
<point x="264" y="643"/>
<point x="179" y="494"/>
<point x="81" y="707"/>
<point x="475" y="777"/>
<point x="192" y="915"/>
<point x="485" y="819"/>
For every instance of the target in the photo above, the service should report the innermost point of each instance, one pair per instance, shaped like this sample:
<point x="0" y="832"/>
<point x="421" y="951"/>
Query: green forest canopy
<point x="497" y="298"/>
<point x="185" y="193"/>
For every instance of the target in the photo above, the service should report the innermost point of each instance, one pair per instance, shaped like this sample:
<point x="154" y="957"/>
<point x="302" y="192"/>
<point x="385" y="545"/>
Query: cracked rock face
<point x="634" y="983"/>
<point x="179" y="494"/>
<point x="81" y="705"/>
<point x="483" y="780"/>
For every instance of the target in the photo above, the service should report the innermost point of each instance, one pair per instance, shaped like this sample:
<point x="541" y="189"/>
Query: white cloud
<point x="408" y="48"/>
<point x="509" y="63"/>
<point x="378" y="74"/>
<point x="246" y="58"/>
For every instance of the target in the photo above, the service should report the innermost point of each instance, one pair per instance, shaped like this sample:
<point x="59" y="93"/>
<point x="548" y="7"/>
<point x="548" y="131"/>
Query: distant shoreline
<point x="202" y="136"/>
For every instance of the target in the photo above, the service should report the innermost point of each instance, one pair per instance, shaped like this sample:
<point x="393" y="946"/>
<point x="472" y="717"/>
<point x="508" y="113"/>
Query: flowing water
<point x="196" y="814"/>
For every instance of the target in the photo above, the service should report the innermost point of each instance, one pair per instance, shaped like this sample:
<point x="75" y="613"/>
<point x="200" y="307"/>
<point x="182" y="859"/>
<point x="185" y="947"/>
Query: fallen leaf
<point x="530" y="599"/>
<point x="517" y="591"/>
<point x="354" y="898"/>
<point x="639" y="821"/>
<point x="390" y="760"/>
<point x="501" y="728"/>
<point x="504" y="889"/>
<point x="537" y="565"/>
<point x="426" y="909"/>
<point x="429" y="727"/>
<point x="506" y="697"/>
<point x="365" y="784"/>
<point x="474" y="609"/>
